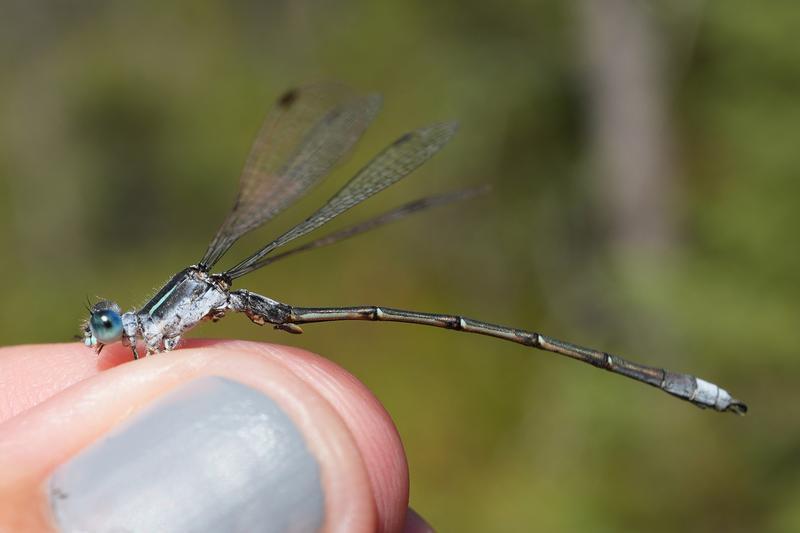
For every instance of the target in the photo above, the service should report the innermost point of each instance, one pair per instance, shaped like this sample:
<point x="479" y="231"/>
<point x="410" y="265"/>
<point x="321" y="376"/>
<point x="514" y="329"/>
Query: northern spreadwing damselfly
<point x="306" y="133"/>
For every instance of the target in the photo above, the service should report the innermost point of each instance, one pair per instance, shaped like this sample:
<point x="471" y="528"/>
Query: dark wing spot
<point x="404" y="139"/>
<point x="288" y="98"/>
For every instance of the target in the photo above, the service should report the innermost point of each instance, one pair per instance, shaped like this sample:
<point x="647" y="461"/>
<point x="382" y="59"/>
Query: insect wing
<point x="395" y="162"/>
<point x="306" y="133"/>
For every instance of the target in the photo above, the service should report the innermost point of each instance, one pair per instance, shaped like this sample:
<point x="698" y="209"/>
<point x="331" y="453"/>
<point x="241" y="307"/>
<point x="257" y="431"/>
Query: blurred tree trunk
<point x="628" y="101"/>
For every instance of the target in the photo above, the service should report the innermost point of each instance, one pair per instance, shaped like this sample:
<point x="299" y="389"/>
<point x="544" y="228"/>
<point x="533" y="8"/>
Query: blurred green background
<point x="644" y="159"/>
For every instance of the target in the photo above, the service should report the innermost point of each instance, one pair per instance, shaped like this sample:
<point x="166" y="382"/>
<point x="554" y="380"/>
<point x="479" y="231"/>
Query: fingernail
<point x="213" y="455"/>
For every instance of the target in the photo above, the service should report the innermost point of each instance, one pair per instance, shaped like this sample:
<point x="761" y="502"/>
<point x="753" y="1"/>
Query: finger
<point x="162" y="415"/>
<point x="30" y="374"/>
<point x="42" y="371"/>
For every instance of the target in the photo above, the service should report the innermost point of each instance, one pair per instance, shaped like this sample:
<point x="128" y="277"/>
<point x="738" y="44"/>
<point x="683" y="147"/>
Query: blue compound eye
<point x="106" y="326"/>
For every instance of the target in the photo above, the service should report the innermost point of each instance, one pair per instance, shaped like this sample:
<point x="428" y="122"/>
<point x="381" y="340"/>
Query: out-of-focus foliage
<point x="123" y="126"/>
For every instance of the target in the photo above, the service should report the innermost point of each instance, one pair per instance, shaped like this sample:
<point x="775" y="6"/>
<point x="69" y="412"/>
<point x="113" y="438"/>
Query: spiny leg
<point x="132" y="344"/>
<point x="130" y="327"/>
<point x="153" y="345"/>
<point x="171" y="343"/>
<point x="687" y="387"/>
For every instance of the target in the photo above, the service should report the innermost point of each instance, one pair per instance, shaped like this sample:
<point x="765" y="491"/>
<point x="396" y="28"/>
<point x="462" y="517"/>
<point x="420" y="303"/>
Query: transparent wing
<point x="395" y="162"/>
<point x="398" y="213"/>
<point x="306" y="133"/>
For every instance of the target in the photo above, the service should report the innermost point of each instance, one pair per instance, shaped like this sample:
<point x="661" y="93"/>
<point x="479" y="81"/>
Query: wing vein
<point x="306" y="133"/>
<point x="395" y="162"/>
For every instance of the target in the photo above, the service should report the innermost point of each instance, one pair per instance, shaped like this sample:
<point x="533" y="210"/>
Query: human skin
<point x="55" y="400"/>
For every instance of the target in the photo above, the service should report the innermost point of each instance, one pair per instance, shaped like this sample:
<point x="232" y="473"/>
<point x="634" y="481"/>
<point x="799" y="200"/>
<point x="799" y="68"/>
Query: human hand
<point x="216" y="436"/>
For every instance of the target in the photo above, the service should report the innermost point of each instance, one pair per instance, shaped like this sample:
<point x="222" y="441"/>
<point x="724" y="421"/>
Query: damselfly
<point x="307" y="132"/>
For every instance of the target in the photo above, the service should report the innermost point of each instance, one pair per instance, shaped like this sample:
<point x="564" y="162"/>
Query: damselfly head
<point x="104" y="325"/>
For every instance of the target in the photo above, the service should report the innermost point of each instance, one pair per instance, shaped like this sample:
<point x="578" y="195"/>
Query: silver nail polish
<point x="213" y="455"/>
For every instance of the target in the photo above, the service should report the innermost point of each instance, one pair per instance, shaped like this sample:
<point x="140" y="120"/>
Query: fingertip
<point x="350" y="434"/>
<point x="33" y="373"/>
